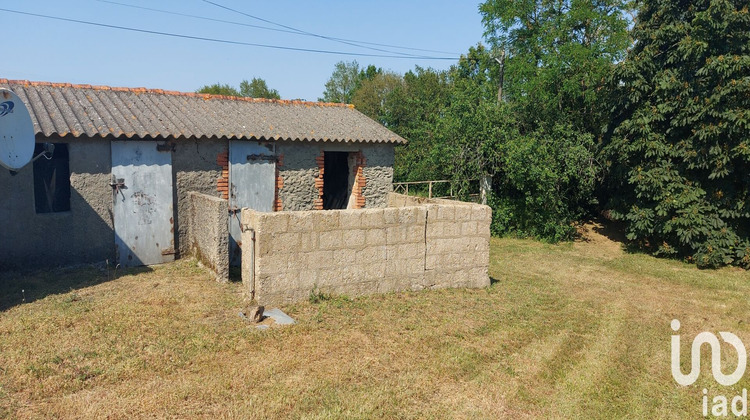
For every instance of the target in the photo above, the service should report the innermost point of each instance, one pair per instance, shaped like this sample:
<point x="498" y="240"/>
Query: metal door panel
<point x="252" y="184"/>
<point x="143" y="210"/>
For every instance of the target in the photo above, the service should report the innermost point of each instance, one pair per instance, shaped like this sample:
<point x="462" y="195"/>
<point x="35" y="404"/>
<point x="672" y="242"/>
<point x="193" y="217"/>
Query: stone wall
<point x="299" y="170"/>
<point x="356" y="252"/>
<point x="208" y="232"/>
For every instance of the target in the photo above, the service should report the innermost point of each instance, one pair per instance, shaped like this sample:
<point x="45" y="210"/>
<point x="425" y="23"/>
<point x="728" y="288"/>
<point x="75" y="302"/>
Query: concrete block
<point x="415" y="233"/>
<point x="390" y="216"/>
<point x="372" y="218"/>
<point x="433" y="262"/>
<point x="308" y="241"/>
<point x="344" y="257"/>
<point x="330" y="239"/>
<point x="481" y="213"/>
<point x="372" y="255"/>
<point x="297" y="262"/>
<point x="308" y="278"/>
<point x="273" y="222"/>
<point x="395" y="235"/>
<point x="468" y="228"/>
<point x="290" y="242"/>
<point x="409" y="251"/>
<point x="375" y="237"/>
<point x="262" y="245"/>
<point x="325" y="220"/>
<point x="408" y="215"/>
<point x="330" y="278"/>
<point x="350" y="219"/>
<point x="354" y="238"/>
<point x="432" y="211"/>
<point x="276" y="263"/>
<point x="446" y="212"/>
<point x="301" y="222"/>
<point x="434" y="230"/>
<point x="319" y="259"/>
<point x="463" y="213"/>
<point x="375" y="271"/>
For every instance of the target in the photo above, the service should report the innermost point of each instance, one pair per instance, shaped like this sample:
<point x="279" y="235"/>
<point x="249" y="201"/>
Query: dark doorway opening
<point x="336" y="180"/>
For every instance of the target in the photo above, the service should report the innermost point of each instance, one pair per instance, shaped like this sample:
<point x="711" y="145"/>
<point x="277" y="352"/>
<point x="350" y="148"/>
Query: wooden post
<point x="407" y="189"/>
<point x="429" y="195"/>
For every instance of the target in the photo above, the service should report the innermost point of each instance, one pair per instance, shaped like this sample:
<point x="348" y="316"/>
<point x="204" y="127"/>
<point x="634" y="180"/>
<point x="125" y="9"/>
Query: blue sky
<point x="36" y="48"/>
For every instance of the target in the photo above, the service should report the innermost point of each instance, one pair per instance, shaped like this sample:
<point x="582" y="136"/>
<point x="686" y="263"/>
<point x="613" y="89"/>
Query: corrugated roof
<point x="66" y="109"/>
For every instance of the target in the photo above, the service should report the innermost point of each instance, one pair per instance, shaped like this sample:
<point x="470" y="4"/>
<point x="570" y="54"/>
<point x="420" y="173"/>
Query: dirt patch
<point x="600" y="239"/>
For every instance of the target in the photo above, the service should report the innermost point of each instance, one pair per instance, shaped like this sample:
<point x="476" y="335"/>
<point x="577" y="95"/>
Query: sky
<point x="42" y="49"/>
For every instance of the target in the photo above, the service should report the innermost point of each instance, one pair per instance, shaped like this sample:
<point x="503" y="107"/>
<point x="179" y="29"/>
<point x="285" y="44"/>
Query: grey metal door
<point x="252" y="184"/>
<point x="143" y="211"/>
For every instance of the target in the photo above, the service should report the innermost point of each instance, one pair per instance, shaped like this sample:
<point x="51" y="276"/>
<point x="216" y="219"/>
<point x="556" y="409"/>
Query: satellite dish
<point x="16" y="132"/>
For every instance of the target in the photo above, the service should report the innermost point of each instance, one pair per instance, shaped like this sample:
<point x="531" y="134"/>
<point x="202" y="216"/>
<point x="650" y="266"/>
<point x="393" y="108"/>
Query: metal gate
<point x="143" y="210"/>
<point x="252" y="184"/>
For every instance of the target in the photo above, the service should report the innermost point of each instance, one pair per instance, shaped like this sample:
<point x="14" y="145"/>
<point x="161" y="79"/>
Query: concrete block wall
<point x="208" y="233"/>
<point x="356" y="252"/>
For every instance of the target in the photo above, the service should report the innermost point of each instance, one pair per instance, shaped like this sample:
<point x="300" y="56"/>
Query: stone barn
<point x="117" y="187"/>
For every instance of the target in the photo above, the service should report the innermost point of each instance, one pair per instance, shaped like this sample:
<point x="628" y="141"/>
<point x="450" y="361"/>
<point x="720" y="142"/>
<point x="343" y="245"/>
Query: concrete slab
<point x="279" y="317"/>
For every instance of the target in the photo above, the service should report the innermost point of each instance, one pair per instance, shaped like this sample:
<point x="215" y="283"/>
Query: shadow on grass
<point x="26" y="286"/>
<point x="611" y="229"/>
<point x="493" y="280"/>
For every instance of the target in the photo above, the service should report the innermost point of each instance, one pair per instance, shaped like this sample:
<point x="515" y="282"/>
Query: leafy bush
<point x="546" y="184"/>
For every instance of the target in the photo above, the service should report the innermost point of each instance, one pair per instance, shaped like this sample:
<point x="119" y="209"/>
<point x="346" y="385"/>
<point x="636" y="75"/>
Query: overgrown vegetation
<point x="635" y="109"/>
<point x="680" y="143"/>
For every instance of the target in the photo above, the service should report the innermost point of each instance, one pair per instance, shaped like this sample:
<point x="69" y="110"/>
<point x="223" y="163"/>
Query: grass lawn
<point x="578" y="330"/>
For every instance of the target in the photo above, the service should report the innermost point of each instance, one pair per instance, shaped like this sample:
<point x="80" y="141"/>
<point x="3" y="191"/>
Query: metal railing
<point x="403" y="187"/>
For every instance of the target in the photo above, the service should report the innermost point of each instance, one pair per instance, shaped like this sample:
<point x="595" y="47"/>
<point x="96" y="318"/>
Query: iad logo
<point x="695" y="357"/>
<point x="720" y="403"/>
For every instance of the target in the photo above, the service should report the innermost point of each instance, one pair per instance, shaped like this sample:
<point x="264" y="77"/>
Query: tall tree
<point x="559" y="54"/>
<point x="374" y="95"/>
<point x="680" y="146"/>
<point x="347" y="77"/>
<point x="542" y="179"/>
<point x="257" y="88"/>
<point x="343" y="82"/>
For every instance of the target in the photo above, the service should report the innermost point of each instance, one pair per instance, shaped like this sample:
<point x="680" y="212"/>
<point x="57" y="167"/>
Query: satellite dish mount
<point x="17" y="133"/>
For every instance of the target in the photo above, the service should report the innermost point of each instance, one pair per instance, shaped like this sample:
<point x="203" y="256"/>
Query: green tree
<point x="347" y="77"/>
<point x="375" y="94"/>
<point x="558" y="57"/>
<point x="257" y="88"/>
<point x="343" y="82"/>
<point x="559" y="54"/>
<point x="413" y="110"/>
<point x="219" y="89"/>
<point x="680" y="141"/>
<point x="542" y="180"/>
